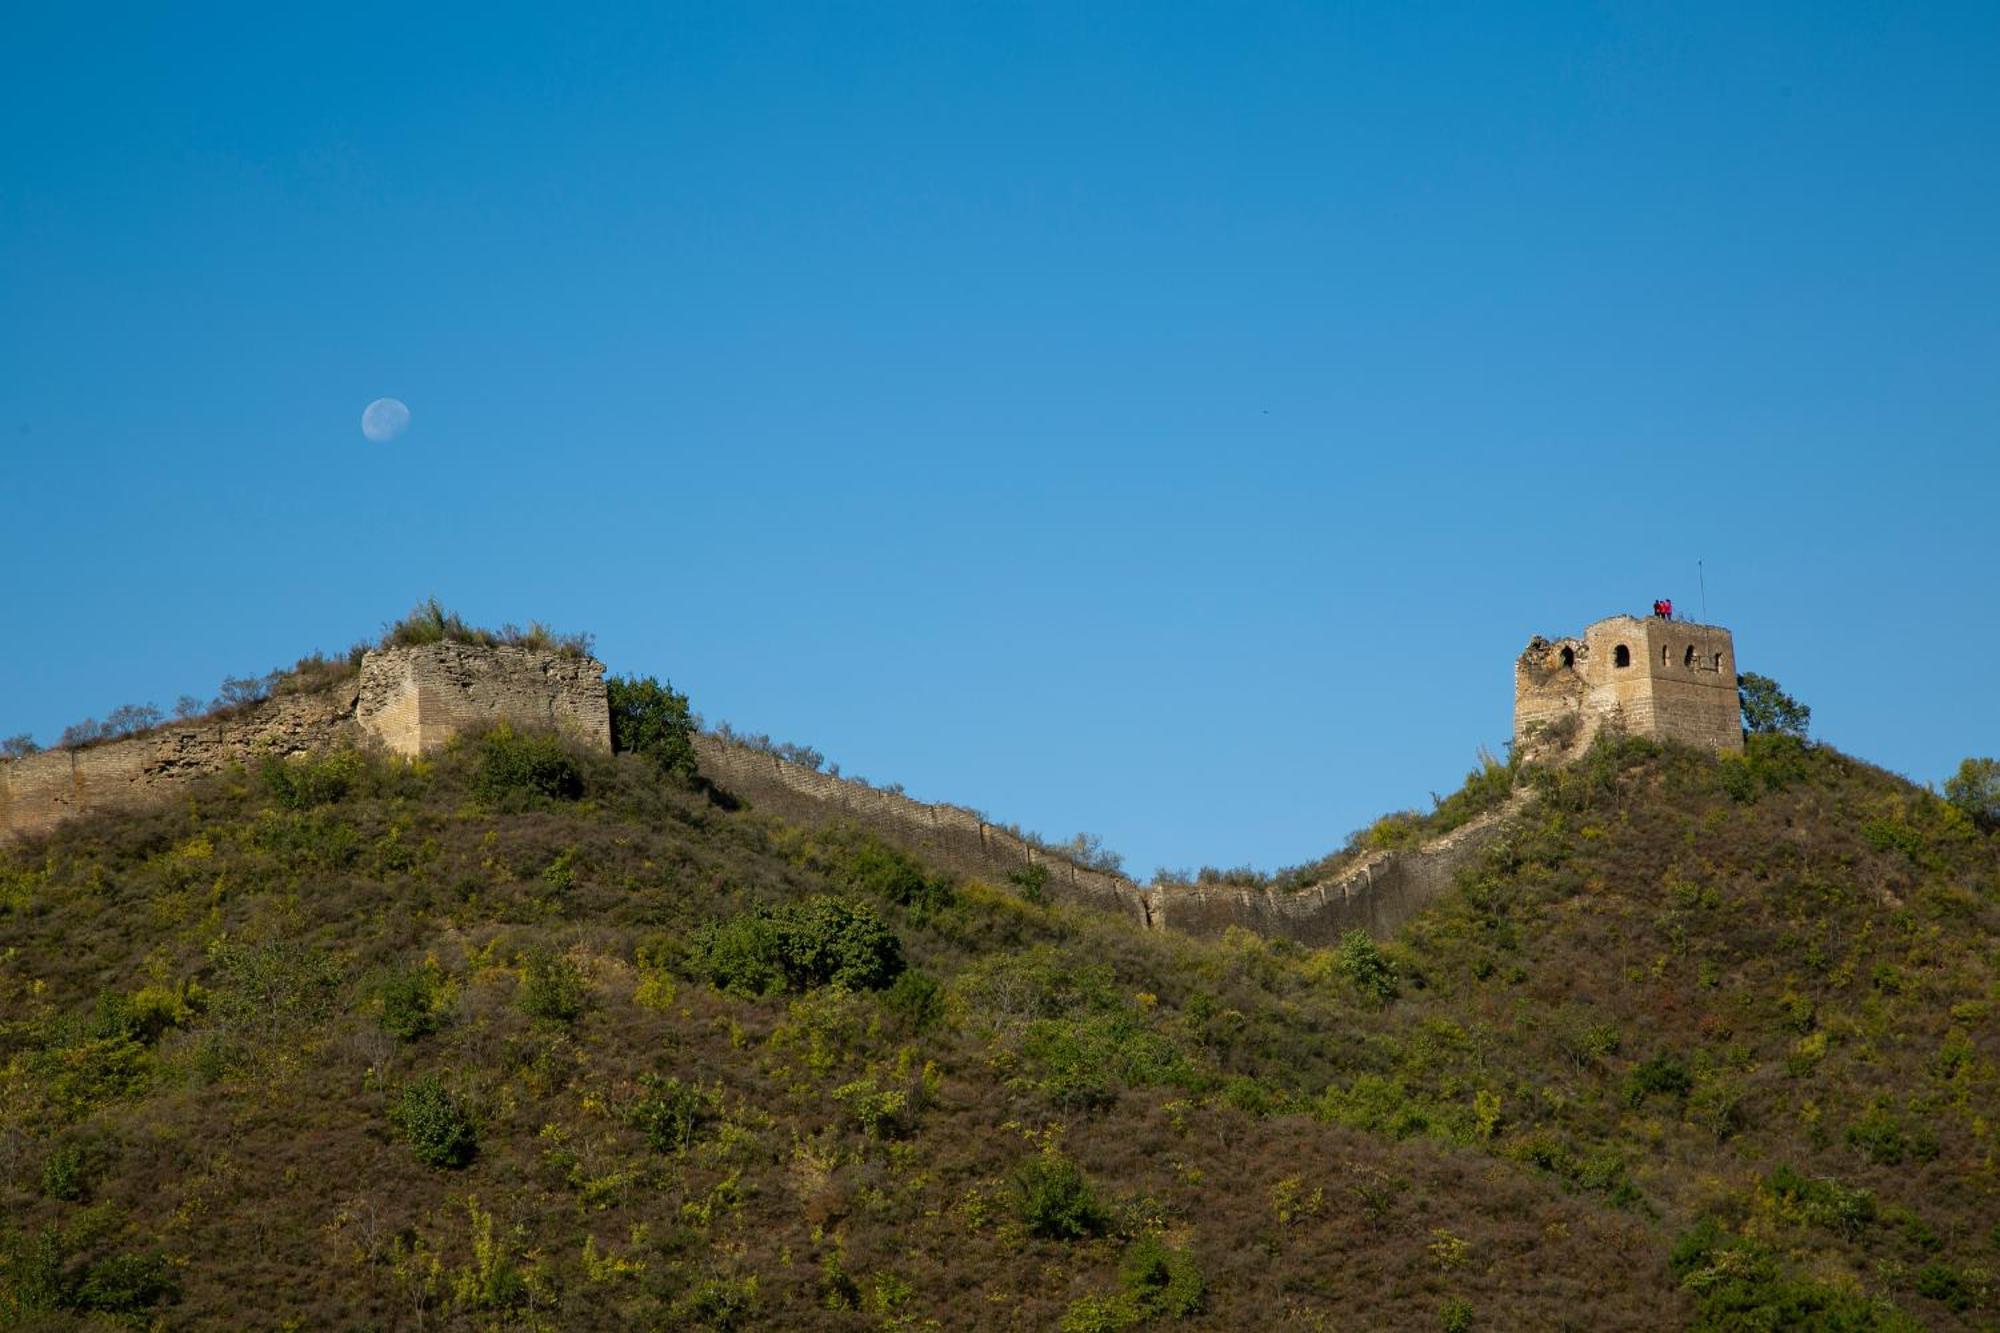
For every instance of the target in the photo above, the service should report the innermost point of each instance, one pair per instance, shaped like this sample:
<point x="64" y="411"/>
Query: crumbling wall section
<point x="1377" y="894"/>
<point x="40" y="791"/>
<point x="406" y="699"/>
<point x="1666" y="679"/>
<point x="415" y="699"/>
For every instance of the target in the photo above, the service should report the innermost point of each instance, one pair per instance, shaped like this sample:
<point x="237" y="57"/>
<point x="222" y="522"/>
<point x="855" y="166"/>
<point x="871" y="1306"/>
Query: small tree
<point x="1975" y="789"/>
<point x="1768" y="710"/>
<point x="651" y="719"/>
<point x="435" y="1123"/>
<point x="14" y="747"/>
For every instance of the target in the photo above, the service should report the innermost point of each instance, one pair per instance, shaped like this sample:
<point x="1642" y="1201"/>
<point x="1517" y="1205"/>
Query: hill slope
<point x="518" y="1037"/>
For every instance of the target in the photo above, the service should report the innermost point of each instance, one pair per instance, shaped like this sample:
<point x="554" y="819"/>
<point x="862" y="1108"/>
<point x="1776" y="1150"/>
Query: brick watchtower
<point x="1672" y="680"/>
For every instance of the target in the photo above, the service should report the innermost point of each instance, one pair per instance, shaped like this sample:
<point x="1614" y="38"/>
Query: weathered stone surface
<point x="415" y="699"/>
<point x="1666" y="679"/>
<point x="1377" y="894"/>
<point x="405" y="699"/>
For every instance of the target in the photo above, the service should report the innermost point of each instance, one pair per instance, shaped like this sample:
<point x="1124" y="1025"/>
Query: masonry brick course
<point x="406" y="700"/>
<point x="1676" y="681"/>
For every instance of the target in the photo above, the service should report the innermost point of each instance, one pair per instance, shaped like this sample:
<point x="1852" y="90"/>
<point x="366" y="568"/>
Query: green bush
<point x="1739" y="1284"/>
<point x="796" y="946"/>
<point x="1975" y="789"/>
<point x="1943" y="1283"/>
<point x="1033" y="882"/>
<point x="1161" y="1282"/>
<point x="1821" y="1201"/>
<point x="1054" y="1199"/>
<point x="65" y="1173"/>
<point x="1455" y="1315"/>
<point x="272" y="990"/>
<point x="551" y="987"/>
<point x="1664" y="1074"/>
<point x="409" y="1003"/>
<point x="304" y="782"/>
<point x="875" y="868"/>
<point x="916" y="998"/>
<point x="1366" y="967"/>
<point x="435" y="1124"/>
<point x="1881" y="1138"/>
<point x="43" y="1271"/>
<point x="651" y="719"/>
<point x="512" y="765"/>
<point x="126" y="1284"/>
<point x="671" y="1114"/>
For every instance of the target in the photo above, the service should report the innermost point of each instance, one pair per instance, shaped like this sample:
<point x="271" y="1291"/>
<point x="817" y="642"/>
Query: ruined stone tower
<point x="1670" y="680"/>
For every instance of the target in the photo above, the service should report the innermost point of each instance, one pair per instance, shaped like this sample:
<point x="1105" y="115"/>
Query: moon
<point x="384" y="419"/>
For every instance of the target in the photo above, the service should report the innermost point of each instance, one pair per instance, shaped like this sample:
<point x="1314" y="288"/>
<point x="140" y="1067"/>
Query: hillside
<point x="518" y="1036"/>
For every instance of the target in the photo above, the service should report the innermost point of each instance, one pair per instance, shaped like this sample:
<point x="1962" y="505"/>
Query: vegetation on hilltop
<point x="521" y="1036"/>
<point x="427" y="622"/>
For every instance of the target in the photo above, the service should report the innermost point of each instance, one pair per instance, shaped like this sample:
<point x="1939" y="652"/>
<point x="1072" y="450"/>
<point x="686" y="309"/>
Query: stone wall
<point x="415" y="699"/>
<point x="1676" y="681"/>
<point x="949" y="836"/>
<point x="1377" y="894"/>
<point x="405" y="699"/>
<point x="39" y="791"/>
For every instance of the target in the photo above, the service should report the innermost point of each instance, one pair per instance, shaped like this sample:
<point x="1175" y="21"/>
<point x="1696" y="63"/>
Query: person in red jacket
<point x="1664" y="608"/>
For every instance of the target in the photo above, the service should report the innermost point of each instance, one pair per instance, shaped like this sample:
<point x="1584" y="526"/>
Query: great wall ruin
<point x="408" y="700"/>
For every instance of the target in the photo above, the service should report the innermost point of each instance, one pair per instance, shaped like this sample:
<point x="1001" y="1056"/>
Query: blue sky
<point x="1162" y="420"/>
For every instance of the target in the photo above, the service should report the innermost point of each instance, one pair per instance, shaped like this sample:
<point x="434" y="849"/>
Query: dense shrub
<point x="436" y="1126"/>
<point x="1366" y="968"/>
<point x="512" y="765"/>
<point x="1821" y="1201"/>
<point x="916" y="998"/>
<point x="863" y="863"/>
<point x="271" y="990"/>
<point x="822" y="941"/>
<point x="409" y="1003"/>
<point x="671" y="1114"/>
<point x="304" y="782"/>
<point x="652" y="720"/>
<point x="1055" y="1200"/>
<point x="1740" y="1284"/>
<point x="552" y="986"/>
<point x="42" y="1272"/>
<point x="1664" y="1074"/>
<point x="1160" y="1281"/>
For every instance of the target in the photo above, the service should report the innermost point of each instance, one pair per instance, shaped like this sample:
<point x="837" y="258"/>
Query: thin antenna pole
<point x="1703" y="575"/>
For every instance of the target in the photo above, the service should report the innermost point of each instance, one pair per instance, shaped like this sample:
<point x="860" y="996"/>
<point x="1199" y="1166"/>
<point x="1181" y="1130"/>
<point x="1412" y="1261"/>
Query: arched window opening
<point x="1687" y="658"/>
<point x="1569" y="657"/>
<point x="1623" y="657"/>
<point x="1663" y="654"/>
<point x="1718" y="661"/>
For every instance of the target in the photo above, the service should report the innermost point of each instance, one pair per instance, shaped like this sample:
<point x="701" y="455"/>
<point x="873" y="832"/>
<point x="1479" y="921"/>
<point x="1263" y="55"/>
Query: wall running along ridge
<point x="1377" y="893"/>
<point x="407" y="700"/>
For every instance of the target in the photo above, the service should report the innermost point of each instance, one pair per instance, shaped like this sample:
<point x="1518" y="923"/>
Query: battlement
<point x="1667" y="679"/>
